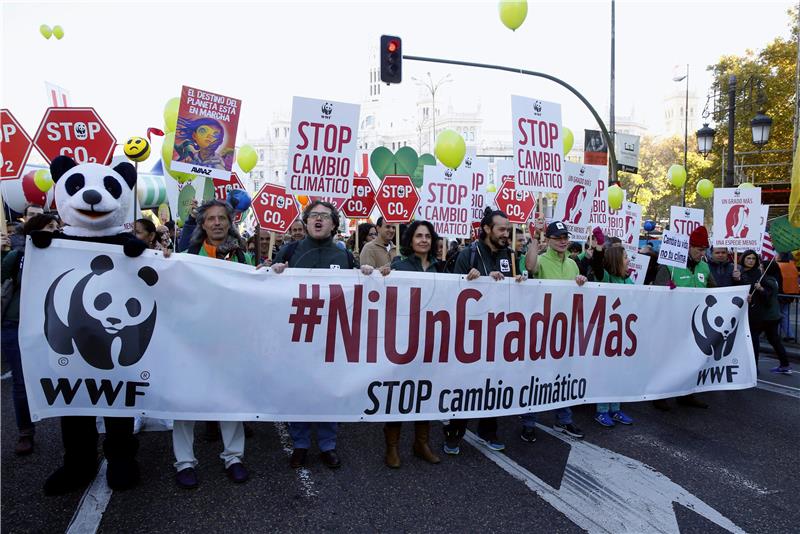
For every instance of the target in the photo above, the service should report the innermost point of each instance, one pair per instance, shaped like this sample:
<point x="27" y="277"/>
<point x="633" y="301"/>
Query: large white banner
<point x="198" y="338"/>
<point x="538" y="147"/>
<point x="322" y="146"/>
<point x="737" y="213"/>
<point x="574" y="206"/>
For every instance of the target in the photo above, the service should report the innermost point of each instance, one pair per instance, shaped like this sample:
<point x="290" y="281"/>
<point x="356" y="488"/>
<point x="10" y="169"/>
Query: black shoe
<point x="528" y="434"/>
<point x="122" y="475"/>
<point x="237" y="472"/>
<point x="568" y="429"/>
<point x="661" y="404"/>
<point x="248" y="430"/>
<point x="330" y="459"/>
<point x="65" y="480"/>
<point x="187" y="478"/>
<point x="298" y="458"/>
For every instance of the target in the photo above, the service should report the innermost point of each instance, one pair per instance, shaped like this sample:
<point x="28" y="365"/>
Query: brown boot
<point x="422" y="430"/>
<point x="392" y="434"/>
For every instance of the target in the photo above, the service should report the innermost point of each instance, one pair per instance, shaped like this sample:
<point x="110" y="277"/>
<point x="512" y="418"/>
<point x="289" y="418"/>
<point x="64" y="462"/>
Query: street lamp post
<point x="685" y="131"/>
<point x="432" y="88"/>
<point x="731" y="118"/>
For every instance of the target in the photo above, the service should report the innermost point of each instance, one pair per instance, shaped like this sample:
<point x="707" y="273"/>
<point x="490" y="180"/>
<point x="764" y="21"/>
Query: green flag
<point x="785" y="236"/>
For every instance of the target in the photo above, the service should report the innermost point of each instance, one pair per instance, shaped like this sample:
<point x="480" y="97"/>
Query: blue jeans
<point x="786" y="323"/>
<point x="301" y="435"/>
<point x="605" y="407"/>
<point x="10" y="347"/>
<point x="563" y="416"/>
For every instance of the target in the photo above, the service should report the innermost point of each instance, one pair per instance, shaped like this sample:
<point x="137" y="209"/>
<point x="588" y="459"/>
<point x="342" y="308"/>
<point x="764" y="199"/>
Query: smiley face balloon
<point x="137" y="149"/>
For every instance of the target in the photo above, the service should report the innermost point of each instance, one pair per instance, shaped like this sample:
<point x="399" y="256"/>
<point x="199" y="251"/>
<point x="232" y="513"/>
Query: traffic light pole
<point x="562" y="83"/>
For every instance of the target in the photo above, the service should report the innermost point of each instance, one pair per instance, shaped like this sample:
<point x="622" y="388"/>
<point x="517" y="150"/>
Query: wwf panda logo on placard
<point x="715" y="327"/>
<point x="110" y="318"/>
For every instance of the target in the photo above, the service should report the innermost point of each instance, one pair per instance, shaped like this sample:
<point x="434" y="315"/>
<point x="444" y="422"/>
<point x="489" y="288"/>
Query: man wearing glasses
<point x="553" y="264"/>
<point x="316" y="251"/>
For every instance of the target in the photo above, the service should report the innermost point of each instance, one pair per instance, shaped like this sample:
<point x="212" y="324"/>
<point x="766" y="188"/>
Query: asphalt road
<point x="732" y="467"/>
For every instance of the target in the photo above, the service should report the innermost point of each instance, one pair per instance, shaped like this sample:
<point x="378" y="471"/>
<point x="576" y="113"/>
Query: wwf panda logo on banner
<point x="715" y="327"/>
<point x="110" y="318"/>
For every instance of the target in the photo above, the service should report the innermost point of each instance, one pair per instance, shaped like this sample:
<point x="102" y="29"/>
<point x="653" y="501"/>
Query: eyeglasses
<point x="319" y="215"/>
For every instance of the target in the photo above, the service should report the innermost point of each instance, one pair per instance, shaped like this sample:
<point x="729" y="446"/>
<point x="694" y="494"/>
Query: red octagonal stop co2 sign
<point x="15" y="146"/>
<point x="518" y="205"/>
<point x="397" y="198"/>
<point x="79" y="133"/>
<point x="275" y="209"/>
<point x="222" y="187"/>
<point x="360" y="205"/>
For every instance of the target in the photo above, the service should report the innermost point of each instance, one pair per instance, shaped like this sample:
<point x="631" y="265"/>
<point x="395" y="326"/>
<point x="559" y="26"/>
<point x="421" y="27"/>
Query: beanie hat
<point x="699" y="237"/>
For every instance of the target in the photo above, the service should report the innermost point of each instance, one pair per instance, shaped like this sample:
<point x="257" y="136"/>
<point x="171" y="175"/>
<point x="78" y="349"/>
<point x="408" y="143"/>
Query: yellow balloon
<point x="58" y="32"/>
<point x="705" y="188"/>
<point x="676" y="175"/>
<point x="568" y="138"/>
<point x="247" y="158"/>
<point x="615" y="196"/>
<point x="491" y="188"/>
<point x="43" y="180"/>
<point x="513" y="12"/>
<point x="450" y="149"/>
<point x="166" y="158"/>
<point x="45" y="30"/>
<point x="746" y="185"/>
<point x="171" y="114"/>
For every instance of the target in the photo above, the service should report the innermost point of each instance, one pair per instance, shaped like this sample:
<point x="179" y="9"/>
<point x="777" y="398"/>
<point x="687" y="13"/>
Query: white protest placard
<point x="615" y="223"/>
<point x="633" y="226"/>
<point x="627" y="152"/>
<point x="762" y="227"/>
<point x="599" y="216"/>
<point x="322" y="146"/>
<point x="684" y="220"/>
<point x="637" y="265"/>
<point x="538" y="147"/>
<point x="478" y="169"/>
<point x="446" y="201"/>
<point x="575" y="200"/>
<point x="674" y="250"/>
<point x="737" y="213"/>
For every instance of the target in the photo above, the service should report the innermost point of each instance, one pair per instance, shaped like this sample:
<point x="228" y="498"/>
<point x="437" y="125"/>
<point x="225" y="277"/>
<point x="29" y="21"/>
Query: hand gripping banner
<point x="197" y="338"/>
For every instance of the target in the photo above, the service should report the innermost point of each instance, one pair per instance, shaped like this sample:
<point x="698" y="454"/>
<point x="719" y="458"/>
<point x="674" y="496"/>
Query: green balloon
<point x="568" y="138"/>
<point x="382" y="161"/>
<point x="615" y="196"/>
<point x="746" y="185"/>
<point x="425" y="159"/>
<point x="513" y="13"/>
<point x="45" y="30"/>
<point x="166" y="157"/>
<point x="677" y="175"/>
<point x="705" y="188"/>
<point x="407" y="160"/>
<point x="58" y="32"/>
<point x="171" y="114"/>
<point x="450" y="149"/>
<point x="247" y="157"/>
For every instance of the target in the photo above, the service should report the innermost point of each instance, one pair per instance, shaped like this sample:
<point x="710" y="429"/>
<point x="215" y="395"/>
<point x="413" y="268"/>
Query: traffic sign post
<point x="515" y="203"/>
<point x="79" y="133"/>
<point x="397" y="200"/>
<point x="15" y="146"/>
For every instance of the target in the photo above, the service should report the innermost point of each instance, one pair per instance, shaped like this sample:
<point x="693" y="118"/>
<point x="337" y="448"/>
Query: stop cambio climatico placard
<point x="538" y="146"/>
<point x="322" y="146"/>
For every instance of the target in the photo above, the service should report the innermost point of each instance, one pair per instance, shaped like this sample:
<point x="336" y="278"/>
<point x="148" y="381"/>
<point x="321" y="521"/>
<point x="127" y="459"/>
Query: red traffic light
<point x="393" y="46"/>
<point x="391" y="54"/>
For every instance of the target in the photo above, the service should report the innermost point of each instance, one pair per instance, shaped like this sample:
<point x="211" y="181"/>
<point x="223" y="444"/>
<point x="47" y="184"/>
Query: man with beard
<point x="488" y="256"/>
<point x="554" y="264"/>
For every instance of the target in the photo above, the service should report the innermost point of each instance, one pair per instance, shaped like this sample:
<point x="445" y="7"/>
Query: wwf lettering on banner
<point x="715" y="324"/>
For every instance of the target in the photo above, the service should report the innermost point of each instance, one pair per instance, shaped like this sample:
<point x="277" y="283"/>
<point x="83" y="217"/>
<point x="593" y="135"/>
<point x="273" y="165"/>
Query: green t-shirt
<point x="611" y="279"/>
<point x="551" y="267"/>
<point x="686" y="278"/>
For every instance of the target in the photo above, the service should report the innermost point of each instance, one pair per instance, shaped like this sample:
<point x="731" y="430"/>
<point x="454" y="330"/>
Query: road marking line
<point x="93" y="503"/>
<point x="603" y="491"/>
<point x="774" y="387"/>
<point x="303" y="474"/>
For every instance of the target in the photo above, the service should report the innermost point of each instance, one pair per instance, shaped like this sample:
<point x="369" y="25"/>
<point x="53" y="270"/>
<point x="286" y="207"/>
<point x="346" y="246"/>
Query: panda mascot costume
<point x="92" y="200"/>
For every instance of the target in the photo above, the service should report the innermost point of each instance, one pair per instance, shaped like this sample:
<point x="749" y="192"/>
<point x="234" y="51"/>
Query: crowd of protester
<point x="314" y="241"/>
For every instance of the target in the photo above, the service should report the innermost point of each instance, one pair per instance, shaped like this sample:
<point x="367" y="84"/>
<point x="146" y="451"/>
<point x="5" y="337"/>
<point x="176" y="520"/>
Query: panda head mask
<point x="92" y="199"/>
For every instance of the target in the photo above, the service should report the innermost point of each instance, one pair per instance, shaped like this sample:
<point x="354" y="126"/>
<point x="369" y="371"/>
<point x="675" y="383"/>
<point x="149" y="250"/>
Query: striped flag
<point x="767" y="250"/>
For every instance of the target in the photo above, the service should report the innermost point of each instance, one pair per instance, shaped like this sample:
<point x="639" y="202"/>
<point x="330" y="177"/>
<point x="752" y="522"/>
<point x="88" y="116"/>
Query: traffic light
<point x="391" y="59"/>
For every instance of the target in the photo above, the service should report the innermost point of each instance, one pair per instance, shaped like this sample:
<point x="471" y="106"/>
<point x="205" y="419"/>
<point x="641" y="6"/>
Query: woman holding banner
<point x="764" y="313"/>
<point x="416" y="255"/>
<point x="610" y="266"/>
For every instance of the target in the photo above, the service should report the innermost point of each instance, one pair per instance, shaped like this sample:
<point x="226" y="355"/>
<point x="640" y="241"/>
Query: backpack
<point x="289" y="250"/>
